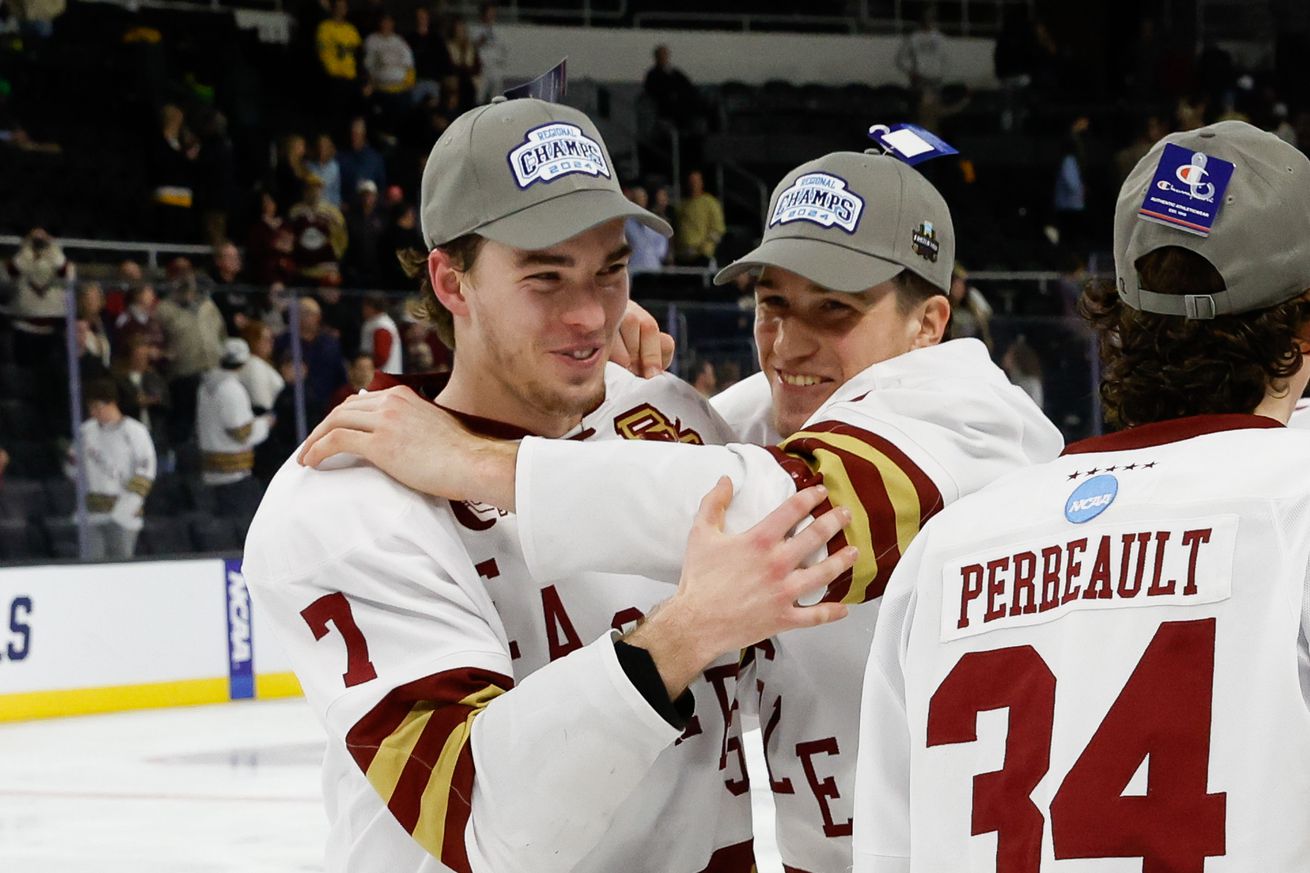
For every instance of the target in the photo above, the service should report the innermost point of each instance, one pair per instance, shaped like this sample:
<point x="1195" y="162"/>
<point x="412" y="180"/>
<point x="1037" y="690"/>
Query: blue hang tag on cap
<point x="1187" y="190"/>
<point x="909" y="142"/>
<point x="550" y="85"/>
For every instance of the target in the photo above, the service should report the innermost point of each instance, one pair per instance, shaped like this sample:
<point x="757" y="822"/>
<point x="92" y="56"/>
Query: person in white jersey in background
<point x="851" y="307"/>
<point x="1101" y="663"/>
<point x="483" y="719"/>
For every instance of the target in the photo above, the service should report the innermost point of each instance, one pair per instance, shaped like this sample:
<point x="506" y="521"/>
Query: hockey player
<point x="482" y="718"/>
<point x="120" y="470"/>
<point x="228" y="430"/>
<point x="850" y="307"/>
<point x="1102" y="661"/>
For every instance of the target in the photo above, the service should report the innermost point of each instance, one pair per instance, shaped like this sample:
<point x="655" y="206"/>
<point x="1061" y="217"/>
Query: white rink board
<point x="85" y="626"/>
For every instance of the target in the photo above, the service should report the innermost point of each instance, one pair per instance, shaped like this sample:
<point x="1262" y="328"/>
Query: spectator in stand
<point x="232" y="294"/>
<point x="661" y="206"/>
<point x="389" y="62"/>
<point x="320" y="237"/>
<point x="358" y="377"/>
<point x="126" y="277"/>
<point x="41" y="273"/>
<point x="91" y="309"/>
<point x="922" y="58"/>
<point x="146" y="391"/>
<point x="319" y="350"/>
<point x="379" y="337"/>
<point x="465" y="62"/>
<point x="338" y="40"/>
<point x="272" y="245"/>
<point x="1024" y="367"/>
<point x="1069" y="197"/>
<point x="650" y="249"/>
<point x="119" y="469"/>
<point x="674" y="96"/>
<point x="325" y="167"/>
<point x="971" y="314"/>
<point x="431" y="57"/>
<point x="366" y="227"/>
<point x="283" y="438"/>
<point x="228" y="430"/>
<point x="705" y="380"/>
<point x="343" y="318"/>
<point x="258" y="376"/>
<point x="193" y="343"/>
<point x="360" y="160"/>
<point x="215" y="173"/>
<point x="700" y="223"/>
<point x="1149" y="131"/>
<point x="1014" y="60"/>
<point x="291" y="171"/>
<point x="173" y="177"/>
<point x="492" y="50"/>
<point x="137" y="320"/>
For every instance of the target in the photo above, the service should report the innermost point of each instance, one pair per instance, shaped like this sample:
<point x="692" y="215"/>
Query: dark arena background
<point x="176" y="175"/>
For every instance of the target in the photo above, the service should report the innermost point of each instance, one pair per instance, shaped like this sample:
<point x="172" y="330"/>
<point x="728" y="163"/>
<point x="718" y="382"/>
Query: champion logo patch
<point x="553" y="151"/>
<point x="819" y="198"/>
<point x="923" y="239"/>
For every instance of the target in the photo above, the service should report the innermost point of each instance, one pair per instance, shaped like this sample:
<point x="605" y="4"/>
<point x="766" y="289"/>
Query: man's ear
<point x="447" y="282"/>
<point x="933" y="322"/>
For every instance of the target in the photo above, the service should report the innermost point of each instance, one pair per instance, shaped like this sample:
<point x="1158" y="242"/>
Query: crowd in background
<point x="305" y="244"/>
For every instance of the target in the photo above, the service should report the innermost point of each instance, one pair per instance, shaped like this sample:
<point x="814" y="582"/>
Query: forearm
<point x="626" y="506"/>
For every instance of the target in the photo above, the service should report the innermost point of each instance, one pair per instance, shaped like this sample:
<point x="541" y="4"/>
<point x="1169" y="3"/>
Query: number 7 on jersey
<point x="335" y="609"/>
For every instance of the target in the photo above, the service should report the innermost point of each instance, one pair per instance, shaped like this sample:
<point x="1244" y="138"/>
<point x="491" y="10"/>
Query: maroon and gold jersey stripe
<point x="414" y="748"/>
<point x="889" y="497"/>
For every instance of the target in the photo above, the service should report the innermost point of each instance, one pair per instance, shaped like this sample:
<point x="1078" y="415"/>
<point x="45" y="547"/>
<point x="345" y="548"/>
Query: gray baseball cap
<point x="852" y="220"/>
<point x="1257" y="241"/>
<point x="526" y="173"/>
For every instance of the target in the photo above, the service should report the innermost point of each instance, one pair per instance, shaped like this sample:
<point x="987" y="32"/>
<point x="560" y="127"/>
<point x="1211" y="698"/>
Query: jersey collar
<point x="429" y="385"/>
<point x="1172" y="431"/>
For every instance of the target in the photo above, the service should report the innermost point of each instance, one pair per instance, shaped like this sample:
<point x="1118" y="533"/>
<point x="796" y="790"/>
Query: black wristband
<point x="641" y="671"/>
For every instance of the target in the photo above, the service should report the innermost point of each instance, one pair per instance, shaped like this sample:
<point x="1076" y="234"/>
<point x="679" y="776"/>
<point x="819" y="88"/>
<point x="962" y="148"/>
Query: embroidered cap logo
<point x="923" y="239"/>
<point x="553" y="151"/>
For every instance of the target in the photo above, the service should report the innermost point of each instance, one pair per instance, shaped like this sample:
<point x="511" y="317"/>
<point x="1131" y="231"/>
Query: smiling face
<point x="533" y="328"/>
<point x="812" y="340"/>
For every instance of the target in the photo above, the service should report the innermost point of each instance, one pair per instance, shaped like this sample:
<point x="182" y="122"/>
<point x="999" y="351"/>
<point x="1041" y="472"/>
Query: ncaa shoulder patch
<point x="1091" y="498"/>
<point x="819" y="198"/>
<point x="555" y="150"/>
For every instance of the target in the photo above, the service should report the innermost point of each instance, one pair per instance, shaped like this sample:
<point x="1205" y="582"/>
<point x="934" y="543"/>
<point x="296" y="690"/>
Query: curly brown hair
<point x="463" y="253"/>
<point x="1158" y="367"/>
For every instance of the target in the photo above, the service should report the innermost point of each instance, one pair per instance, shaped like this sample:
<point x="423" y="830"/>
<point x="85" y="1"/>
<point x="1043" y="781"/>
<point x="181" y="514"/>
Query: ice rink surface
<point x="231" y="788"/>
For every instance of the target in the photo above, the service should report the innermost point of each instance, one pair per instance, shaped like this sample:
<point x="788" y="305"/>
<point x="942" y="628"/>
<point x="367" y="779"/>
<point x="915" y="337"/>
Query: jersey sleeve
<point x="627" y="506"/>
<point x="881" y="837"/>
<point x="572" y="518"/>
<point x="402" y="655"/>
<point x="131" y="501"/>
<point x="238" y="416"/>
<point x="889" y="496"/>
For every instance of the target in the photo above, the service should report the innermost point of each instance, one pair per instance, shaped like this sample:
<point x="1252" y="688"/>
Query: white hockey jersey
<point x="227" y="428"/>
<point x="895" y="444"/>
<point x="478" y="717"/>
<point x="1100" y="664"/>
<point x="1301" y="414"/>
<point x="747" y="407"/>
<point x="120" y="470"/>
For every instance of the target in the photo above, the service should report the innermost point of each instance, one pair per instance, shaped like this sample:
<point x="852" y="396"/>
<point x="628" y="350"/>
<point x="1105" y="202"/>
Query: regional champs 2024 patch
<point x="555" y="150"/>
<point x="819" y="198"/>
